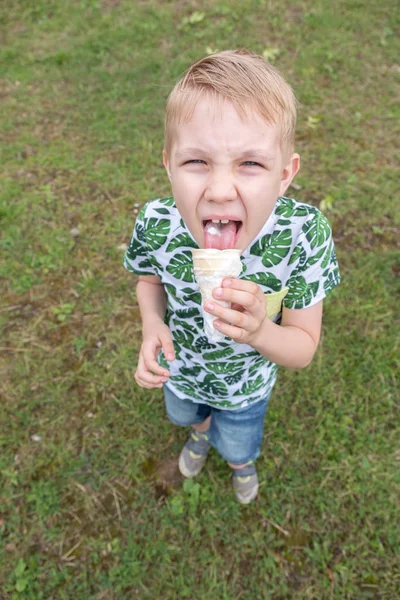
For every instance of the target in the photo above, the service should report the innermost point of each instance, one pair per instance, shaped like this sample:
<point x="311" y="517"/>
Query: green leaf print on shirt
<point x="214" y="386"/>
<point x="218" y="354"/>
<point x="202" y="343"/>
<point x="196" y="298"/>
<point x="182" y="240"/>
<point x="287" y="208"/>
<point x="298" y="253"/>
<point x="317" y="230"/>
<point x="222" y="368"/>
<point x="332" y="280"/>
<point x="171" y="291"/>
<point x="191" y="372"/>
<point x="235" y="378"/>
<point x="273" y="248"/>
<point x="328" y="256"/>
<point x="167" y="201"/>
<point x="157" y="231"/>
<point x="184" y="338"/>
<point x="186" y="313"/>
<point x="266" y="279"/>
<point x="300" y="292"/>
<point x="251" y="386"/>
<point x="314" y="258"/>
<point x="180" y="266"/>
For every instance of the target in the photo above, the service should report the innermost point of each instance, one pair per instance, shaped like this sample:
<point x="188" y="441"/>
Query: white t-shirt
<point x="292" y="259"/>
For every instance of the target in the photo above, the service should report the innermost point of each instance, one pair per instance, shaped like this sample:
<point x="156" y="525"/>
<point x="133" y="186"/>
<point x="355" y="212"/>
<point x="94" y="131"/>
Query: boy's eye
<point x="196" y="161"/>
<point x="252" y="163"/>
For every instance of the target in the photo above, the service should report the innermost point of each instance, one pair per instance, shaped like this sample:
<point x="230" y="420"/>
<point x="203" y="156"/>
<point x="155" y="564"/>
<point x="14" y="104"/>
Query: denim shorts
<point x="235" y="434"/>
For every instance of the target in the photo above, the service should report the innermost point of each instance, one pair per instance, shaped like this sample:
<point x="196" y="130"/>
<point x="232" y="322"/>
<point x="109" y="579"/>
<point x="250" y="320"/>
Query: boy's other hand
<point x="242" y="322"/>
<point x="149" y="374"/>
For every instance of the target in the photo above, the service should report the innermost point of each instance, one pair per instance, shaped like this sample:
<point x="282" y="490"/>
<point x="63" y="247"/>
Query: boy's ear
<point x="288" y="172"/>
<point x="166" y="163"/>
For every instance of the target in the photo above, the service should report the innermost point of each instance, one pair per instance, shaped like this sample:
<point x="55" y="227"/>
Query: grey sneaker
<point x="245" y="483"/>
<point x="194" y="454"/>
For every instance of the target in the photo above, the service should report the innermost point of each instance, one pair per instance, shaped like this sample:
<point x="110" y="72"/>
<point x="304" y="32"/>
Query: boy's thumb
<point x="168" y="347"/>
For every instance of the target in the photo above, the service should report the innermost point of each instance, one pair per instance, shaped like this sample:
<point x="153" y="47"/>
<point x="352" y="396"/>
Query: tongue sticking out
<point x="220" y="236"/>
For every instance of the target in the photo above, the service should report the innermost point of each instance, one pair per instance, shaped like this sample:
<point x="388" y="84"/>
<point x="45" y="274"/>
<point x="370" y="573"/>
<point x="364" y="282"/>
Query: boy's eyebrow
<point x="256" y="152"/>
<point x="253" y="152"/>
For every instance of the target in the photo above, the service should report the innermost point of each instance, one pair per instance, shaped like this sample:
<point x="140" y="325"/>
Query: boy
<point x="229" y="154"/>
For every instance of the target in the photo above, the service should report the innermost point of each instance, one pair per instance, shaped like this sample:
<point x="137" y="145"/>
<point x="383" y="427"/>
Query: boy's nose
<point x="221" y="189"/>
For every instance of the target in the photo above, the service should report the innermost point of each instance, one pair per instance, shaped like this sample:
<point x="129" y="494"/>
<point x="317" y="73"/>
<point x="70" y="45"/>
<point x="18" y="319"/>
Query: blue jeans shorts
<point x="235" y="434"/>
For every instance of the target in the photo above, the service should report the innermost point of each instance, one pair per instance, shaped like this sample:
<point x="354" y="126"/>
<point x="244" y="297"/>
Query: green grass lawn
<point x="91" y="505"/>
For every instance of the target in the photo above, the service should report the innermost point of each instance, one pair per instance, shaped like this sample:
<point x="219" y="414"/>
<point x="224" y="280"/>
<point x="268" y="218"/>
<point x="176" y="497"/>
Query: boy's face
<point x="223" y="167"/>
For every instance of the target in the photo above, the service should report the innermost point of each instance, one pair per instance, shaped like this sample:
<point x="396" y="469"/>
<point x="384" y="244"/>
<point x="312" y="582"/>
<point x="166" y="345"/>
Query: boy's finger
<point x="241" y="284"/>
<point x="145" y="384"/>
<point x="168" y="347"/>
<point x="245" y="298"/>
<point x="153" y="366"/>
<point x="148" y="363"/>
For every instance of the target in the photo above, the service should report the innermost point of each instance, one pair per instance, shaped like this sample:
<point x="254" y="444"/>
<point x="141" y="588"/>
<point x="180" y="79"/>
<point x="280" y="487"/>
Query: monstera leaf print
<point x="273" y="248"/>
<point x="187" y="313"/>
<point x="317" y="230"/>
<point x="256" y="366"/>
<point x="180" y="266"/>
<point x="300" y="292"/>
<point x="329" y="256"/>
<point x="184" y="338"/>
<point x="287" y="208"/>
<point x="191" y="372"/>
<point x="156" y="232"/>
<point x="167" y="201"/>
<point x="234" y="378"/>
<point x="312" y="260"/>
<point x="331" y="280"/>
<point x="183" y="240"/>
<point x="184" y="385"/>
<point x="202" y="343"/>
<point x="213" y="386"/>
<point x="298" y="254"/>
<point x="186" y="325"/>
<point x="222" y="368"/>
<point x="218" y="354"/>
<point x="139" y="230"/>
<point x="243" y="356"/>
<point x="171" y="291"/>
<point x="251" y="386"/>
<point x="266" y="279"/>
<point x="194" y="297"/>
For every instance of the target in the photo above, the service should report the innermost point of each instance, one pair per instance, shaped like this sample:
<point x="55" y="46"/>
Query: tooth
<point x="224" y="220"/>
<point x="215" y="220"/>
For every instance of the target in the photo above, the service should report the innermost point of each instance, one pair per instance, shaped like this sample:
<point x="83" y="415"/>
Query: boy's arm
<point x="293" y="343"/>
<point x="151" y="298"/>
<point x="152" y="301"/>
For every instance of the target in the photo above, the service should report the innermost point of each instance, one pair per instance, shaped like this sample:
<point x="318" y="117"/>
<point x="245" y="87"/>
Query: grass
<point x="91" y="505"/>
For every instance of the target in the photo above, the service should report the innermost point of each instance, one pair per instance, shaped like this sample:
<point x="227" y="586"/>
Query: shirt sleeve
<point x="137" y="258"/>
<point x="315" y="270"/>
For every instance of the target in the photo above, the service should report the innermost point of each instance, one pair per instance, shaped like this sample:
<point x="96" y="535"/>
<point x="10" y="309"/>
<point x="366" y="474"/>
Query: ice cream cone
<point x="210" y="266"/>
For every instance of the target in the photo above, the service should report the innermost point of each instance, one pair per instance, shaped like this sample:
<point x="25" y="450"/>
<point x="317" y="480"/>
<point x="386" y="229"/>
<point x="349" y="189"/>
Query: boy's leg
<point x="237" y="436"/>
<point x="188" y="414"/>
<point x="202" y="427"/>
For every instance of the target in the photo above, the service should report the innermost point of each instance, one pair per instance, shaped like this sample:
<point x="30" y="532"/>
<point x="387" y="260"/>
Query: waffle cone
<point x="210" y="266"/>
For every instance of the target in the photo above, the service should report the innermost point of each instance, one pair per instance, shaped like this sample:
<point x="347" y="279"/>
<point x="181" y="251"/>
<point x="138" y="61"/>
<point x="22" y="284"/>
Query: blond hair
<point x="247" y="80"/>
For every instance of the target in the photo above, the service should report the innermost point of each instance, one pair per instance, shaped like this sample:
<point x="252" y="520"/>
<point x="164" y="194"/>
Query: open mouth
<point x="221" y="234"/>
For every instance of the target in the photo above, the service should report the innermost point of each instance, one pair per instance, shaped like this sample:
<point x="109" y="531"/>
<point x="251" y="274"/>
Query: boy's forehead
<point x="219" y="122"/>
